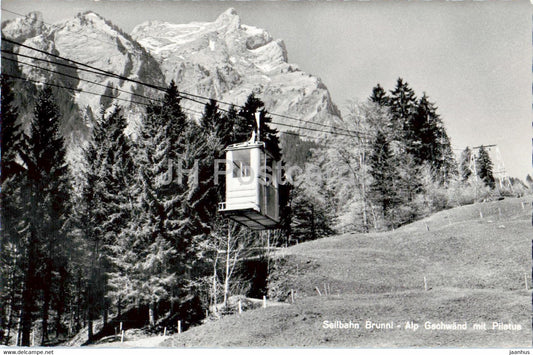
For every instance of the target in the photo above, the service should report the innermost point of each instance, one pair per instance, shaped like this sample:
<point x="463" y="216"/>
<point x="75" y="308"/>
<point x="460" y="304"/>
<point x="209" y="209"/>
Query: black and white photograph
<point x="266" y="174"/>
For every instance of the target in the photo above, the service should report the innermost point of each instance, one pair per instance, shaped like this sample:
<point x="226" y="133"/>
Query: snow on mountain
<point x="24" y="28"/>
<point x="90" y="39"/>
<point x="87" y="38"/>
<point x="227" y="60"/>
<point x="224" y="59"/>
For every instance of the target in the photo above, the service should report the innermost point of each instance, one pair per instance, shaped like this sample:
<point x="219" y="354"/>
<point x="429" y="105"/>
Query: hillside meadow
<point x="458" y="265"/>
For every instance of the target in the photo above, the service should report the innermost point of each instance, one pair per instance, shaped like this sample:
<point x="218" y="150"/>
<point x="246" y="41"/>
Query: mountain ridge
<point x="224" y="59"/>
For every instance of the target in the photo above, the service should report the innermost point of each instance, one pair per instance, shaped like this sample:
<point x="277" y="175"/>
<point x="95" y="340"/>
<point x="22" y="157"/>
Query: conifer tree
<point x="428" y="142"/>
<point x="445" y="164"/>
<point x="49" y="194"/>
<point x="160" y="229"/>
<point x="383" y="171"/>
<point x="106" y="205"/>
<point x="464" y="165"/>
<point x="211" y="119"/>
<point x="90" y="216"/>
<point x="379" y="96"/>
<point x="247" y="124"/>
<point x="12" y="210"/>
<point x="232" y="123"/>
<point x="403" y="106"/>
<point x="484" y="168"/>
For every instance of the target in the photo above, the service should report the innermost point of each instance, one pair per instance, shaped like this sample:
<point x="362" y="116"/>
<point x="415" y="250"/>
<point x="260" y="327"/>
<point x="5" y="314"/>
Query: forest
<point x="126" y="244"/>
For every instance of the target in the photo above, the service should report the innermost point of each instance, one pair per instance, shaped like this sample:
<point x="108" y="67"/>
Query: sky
<point x="472" y="58"/>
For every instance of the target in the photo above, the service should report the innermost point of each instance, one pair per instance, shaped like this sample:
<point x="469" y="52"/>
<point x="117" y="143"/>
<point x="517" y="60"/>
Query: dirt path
<point x="149" y="342"/>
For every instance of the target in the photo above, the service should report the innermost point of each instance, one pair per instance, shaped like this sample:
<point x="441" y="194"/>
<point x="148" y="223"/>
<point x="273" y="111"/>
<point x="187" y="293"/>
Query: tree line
<point x="137" y="239"/>
<point x="398" y="166"/>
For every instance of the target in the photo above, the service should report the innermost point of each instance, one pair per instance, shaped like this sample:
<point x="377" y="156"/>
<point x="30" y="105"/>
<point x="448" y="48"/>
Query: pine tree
<point x="408" y="187"/>
<point x="421" y="132"/>
<point x="211" y="118"/>
<point x="247" y="123"/>
<point x="231" y="127"/>
<point x="464" y="165"/>
<point x="428" y="142"/>
<point x="106" y="206"/>
<point x="403" y="106"/>
<point x="49" y="194"/>
<point x="90" y="216"/>
<point x="379" y="96"/>
<point x="383" y="170"/>
<point x="484" y="167"/>
<point x="11" y="212"/>
<point x="161" y="228"/>
<point x="445" y="165"/>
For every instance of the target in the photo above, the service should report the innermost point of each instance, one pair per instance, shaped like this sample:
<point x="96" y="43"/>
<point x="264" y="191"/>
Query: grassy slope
<point x="474" y="267"/>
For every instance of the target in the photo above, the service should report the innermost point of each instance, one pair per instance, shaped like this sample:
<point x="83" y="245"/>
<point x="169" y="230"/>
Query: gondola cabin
<point x="252" y="196"/>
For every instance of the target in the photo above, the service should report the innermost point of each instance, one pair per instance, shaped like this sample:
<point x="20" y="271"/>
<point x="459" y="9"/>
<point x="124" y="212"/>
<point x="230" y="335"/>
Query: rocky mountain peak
<point x="229" y="19"/>
<point x="22" y="28"/>
<point x="227" y="60"/>
<point x="224" y="59"/>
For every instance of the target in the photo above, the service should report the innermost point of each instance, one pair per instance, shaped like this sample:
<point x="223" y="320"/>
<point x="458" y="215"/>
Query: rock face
<point x="88" y="38"/>
<point x="228" y="60"/>
<point x="224" y="59"/>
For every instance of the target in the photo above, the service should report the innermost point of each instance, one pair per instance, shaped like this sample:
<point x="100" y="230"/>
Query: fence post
<point x="318" y="290"/>
<point x="264" y="301"/>
<point x="122" y="337"/>
<point x="425" y="284"/>
<point x="240" y="307"/>
<point x="292" y="295"/>
<point x="179" y="327"/>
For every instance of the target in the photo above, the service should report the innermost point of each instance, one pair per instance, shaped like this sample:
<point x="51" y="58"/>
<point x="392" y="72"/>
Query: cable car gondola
<point x="252" y="184"/>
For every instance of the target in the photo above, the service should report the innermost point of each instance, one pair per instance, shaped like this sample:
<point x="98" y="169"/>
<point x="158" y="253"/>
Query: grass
<point x="474" y="268"/>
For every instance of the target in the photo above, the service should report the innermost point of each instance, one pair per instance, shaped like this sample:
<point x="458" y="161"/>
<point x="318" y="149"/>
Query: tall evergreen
<point x="382" y="166"/>
<point x="233" y="122"/>
<point x="48" y="208"/>
<point x="484" y="167"/>
<point x="213" y="121"/>
<point x="247" y="124"/>
<point x="464" y="164"/>
<point x="428" y="142"/>
<point x="90" y="215"/>
<point x="445" y="165"/>
<point x="160" y="228"/>
<point x="11" y="211"/>
<point x="403" y="106"/>
<point x="379" y="96"/>
<point x="106" y="207"/>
